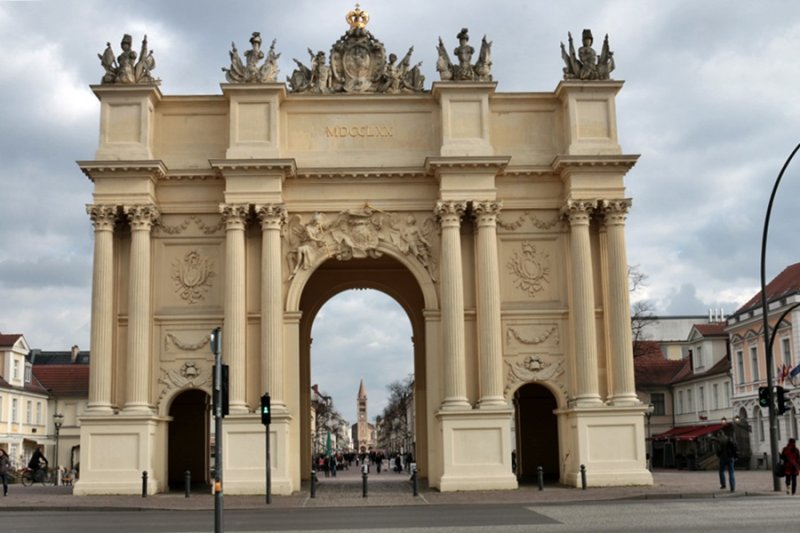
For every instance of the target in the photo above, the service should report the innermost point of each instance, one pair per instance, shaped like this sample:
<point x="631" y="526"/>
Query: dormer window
<point x="28" y="372"/>
<point x="15" y="371"/>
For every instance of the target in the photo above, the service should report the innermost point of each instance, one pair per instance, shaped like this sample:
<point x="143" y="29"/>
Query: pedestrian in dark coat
<point x="791" y="465"/>
<point x="5" y="470"/>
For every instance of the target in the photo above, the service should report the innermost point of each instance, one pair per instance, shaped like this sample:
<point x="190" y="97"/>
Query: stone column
<point x="618" y="305"/>
<point x="490" y="345"/>
<point x="234" y="334"/>
<point x="272" y="217"/>
<point x="582" y="306"/>
<point x="137" y="385"/>
<point x="103" y="218"/>
<point x="452" y="305"/>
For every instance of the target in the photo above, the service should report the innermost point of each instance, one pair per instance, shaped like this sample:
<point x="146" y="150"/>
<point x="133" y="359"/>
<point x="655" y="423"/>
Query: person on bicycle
<point x="38" y="462"/>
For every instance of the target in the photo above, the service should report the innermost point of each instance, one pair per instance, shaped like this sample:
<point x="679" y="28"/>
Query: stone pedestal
<point x="127" y="121"/>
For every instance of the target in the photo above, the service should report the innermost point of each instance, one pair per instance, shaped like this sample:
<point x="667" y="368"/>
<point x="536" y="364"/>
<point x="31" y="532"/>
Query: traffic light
<point x="764" y="396"/>
<point x="225" y="406"/>
<point x="266" y="417"/>
<point x="216" y="341"/>
<point x="784" y="404"/>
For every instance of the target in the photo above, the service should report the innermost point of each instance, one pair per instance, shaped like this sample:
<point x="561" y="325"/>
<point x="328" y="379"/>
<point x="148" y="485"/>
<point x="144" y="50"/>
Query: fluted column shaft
<point x="490" y="346"/>
<point x="234" y="337"/>
<point x="272" y="218"/>
<point x="452" y="304"/>
<point x="103" y="218"/>
<point x="618" y="305"/>
<point x="582" y="308"/>
<point x="137" y="390"/>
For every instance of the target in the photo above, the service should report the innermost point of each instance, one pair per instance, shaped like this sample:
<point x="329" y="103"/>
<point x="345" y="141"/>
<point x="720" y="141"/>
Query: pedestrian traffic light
<point x="784" y="404"/>
<point x="216" y="341"/>
<point x="764" y="397"/>
<point x="266" y="416"/>
<point x="224" y="387"/>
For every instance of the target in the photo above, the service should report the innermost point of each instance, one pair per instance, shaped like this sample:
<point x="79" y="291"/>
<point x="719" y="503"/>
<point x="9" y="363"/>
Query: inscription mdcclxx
<point x="359" y="131"/>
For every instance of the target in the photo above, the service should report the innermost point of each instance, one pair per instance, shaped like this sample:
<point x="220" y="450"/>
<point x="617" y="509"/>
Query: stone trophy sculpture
<point x="586" y="65"/>
<point x="125" y="68"/>
<point x="464" y="70"/>
<point x="249" y="71"/>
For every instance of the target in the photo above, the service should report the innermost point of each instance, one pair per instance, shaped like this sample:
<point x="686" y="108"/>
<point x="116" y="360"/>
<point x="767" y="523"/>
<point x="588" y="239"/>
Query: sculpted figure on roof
<point x="586" y="65"/>
<point x="464" y="70"/>
<point x="250" y="71"/>
<point x="125" y="68"/>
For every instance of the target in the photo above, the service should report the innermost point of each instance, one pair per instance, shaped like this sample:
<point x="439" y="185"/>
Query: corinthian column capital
<point x="234" y="215"/>
<point x="272" y="216"/>
<point x="142" y="217"/>
<point x="450" y="212"/>
<point x="103" y="217"/>
<point x="486" y="212"/>
<point x="579" y="211"/>
<point x="615" y="211"/>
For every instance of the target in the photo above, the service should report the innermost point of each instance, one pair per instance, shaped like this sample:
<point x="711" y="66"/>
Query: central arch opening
<point x="189" y="433"/>
<point x="362" y="349"/>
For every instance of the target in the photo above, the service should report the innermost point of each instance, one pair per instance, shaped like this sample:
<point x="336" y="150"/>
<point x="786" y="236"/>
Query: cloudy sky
<point x="711" y="102"/>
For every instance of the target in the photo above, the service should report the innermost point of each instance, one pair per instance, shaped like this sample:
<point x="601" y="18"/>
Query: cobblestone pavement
<point x="392" y="489"/>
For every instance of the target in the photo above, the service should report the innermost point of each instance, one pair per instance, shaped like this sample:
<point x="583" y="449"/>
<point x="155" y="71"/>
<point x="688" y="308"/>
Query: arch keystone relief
<point x="250" y="208"/>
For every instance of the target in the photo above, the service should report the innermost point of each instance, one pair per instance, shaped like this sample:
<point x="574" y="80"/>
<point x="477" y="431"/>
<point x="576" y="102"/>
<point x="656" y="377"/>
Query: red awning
<point x="700" y="431"/>
<point x="672" y="433"/>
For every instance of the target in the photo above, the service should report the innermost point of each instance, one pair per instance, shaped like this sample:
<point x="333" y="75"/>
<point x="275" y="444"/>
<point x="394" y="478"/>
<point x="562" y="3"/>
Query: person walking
<point x="5" y="470"/>
<point x="791" y="465"/>
<point x="727" y="454"/>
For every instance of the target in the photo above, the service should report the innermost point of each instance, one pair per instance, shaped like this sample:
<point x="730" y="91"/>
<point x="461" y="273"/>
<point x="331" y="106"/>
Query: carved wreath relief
<point x="532" y="368"/>
<point x="192" y="276"/>
<point x="189" y="375"/>
<point x="530" y="268"/>
<point x="357" y="233"/>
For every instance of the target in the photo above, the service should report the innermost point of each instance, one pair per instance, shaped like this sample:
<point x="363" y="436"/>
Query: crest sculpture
<point x="358" y="64"/>
<point x="464" y="70"/>
<point x="125" y="68"/>
<point x="586" y="65"/>
<point x="250" y="71"/>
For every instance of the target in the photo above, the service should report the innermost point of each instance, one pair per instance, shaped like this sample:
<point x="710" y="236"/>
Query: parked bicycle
<point x="43" y="476"/>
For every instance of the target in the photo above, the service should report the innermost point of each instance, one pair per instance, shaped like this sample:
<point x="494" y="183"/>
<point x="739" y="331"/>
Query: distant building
<point x="363" y="432"/>
<point x="745" y="328"/>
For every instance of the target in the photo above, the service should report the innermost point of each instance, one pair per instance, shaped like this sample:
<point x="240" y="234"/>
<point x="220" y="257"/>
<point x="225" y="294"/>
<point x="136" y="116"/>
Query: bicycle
<point x="43" y="476"/>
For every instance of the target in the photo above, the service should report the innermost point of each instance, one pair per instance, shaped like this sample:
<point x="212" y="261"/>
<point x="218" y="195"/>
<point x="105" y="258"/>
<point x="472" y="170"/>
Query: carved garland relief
<point x="192" y="276"/>
<point x="183" y="226"/>
<point x="530" y="269"/>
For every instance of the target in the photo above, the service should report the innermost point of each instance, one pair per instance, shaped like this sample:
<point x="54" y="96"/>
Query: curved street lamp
<point x="58" y="421"/>
<point x="773" y="421"/>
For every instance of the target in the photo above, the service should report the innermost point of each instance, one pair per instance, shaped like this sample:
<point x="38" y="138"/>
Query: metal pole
<point x="583" y="477"/>
<point x="364" y="481"/>
<point x="773" y="420"/>
<point x="269" y="470"/>
<point x="218" y="494"/>
<point x="58" y="469"/>
<point x="187" y="483"/>
<point x="540" y="477"/>
<point x="144" y="484"/>
<point x="415" y="482"/>
<point x="313" y="483"/>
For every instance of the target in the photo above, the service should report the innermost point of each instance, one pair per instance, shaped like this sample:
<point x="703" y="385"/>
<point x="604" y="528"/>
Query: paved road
<point x="773" y="514"/>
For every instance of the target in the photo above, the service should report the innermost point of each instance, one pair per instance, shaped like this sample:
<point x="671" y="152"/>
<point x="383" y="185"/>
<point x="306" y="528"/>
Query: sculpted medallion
<point x="192" y="276"/>
<point x="530" y="268"/>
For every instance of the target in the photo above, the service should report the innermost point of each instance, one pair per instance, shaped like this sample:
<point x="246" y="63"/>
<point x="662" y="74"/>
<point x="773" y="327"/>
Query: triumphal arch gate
<point x="496" y="220"/>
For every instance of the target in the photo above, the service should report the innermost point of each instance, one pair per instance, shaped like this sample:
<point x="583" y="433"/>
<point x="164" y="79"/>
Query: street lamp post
<point x="58" y="421"/>
<point x="650" y="410"/>
<point x="773" y="419"/>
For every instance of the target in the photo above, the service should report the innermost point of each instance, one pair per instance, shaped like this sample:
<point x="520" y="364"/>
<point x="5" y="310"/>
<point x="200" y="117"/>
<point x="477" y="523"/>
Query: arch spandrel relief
<point x="535" y="368"/>
<point x="179" y="376"/>
<point x="358" y="233"/>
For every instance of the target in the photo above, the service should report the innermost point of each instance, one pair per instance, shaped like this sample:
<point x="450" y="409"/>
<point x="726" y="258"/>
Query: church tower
<point x="362" y="431"/>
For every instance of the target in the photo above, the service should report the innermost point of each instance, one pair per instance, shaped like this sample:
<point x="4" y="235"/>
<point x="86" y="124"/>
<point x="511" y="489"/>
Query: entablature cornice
<point x="190" y="175"/>
<point x="375" y="173"/>
<point x="589" y="87"/>
<point x="439" y="87"/>
<point x="529" y="170"/>
<point x="612" y="163"/>
<point x="119" y="90"/>
<point x="239" y="167"/>
<point x="120" y="169"/>
<point x="243" y="90"/>
<point x="440" y="165"/>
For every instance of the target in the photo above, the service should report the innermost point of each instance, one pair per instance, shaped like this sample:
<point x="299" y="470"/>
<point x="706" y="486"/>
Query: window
<point x="701" y="404"/>
<point x="2" y="413"/>
<point x="14" y="451"/>
<point x="690" y="400"/>
<point x="715" y="400"/>
<point x="28" y="411"/>
<point x="28" y="372"/>
<point x="15" y="374"/>
<point x="39" y="413"/>
<point x="657" y="399"/>
<point x="740" y="366"/>
<point x="786" y="348"/>
<point x="760" y="423"/>
<point x="680" y="402"/>
<point x="754" y="363"/>
<point x="14" y="419"/>
<point x="727" y="387"/>
<point x="700" y="362"/>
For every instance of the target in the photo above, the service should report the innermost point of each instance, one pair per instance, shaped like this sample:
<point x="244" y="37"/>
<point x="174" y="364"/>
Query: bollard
<point x="583" y="477"/>
<point x="540" y="477"/>
<point x="187" y="483"/>
<point x="364" y="481"/>
<point x="144" y="484"/>
<point x="415" y="482"/>
<point x="313" y="483"/>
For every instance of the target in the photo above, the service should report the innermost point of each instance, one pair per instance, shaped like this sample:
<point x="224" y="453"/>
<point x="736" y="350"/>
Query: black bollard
<point x="144" y="484"/>
<point x="540" y="477"/>
<point x="364" y="481"/>
<point x="583" y="477"/>
<point x="415" y="482"/>
<point x="187" y="483"/>
<point x="313" y="483"/>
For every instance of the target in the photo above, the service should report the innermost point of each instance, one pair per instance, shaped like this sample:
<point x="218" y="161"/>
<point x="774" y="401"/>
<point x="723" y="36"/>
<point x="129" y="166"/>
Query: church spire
<point x="362" y="392"/>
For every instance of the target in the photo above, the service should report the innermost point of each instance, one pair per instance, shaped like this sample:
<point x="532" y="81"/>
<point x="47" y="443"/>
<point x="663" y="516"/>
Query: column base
<point x="493" y="402"/>
<point x="239" y="409"/>
<point x="476" y="449"/>
<point x="625" y="400"/>
<point x="455" y="404"/>
<point x="138" y="409"/>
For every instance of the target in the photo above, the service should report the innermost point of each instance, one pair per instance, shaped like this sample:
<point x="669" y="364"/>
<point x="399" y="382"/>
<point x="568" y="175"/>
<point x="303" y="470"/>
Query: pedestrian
<point x="5" y="470"/>
<point x="727" y="453"/>
<point x="791" y="465"/>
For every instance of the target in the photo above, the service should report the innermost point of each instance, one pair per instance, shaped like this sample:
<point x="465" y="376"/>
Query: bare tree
<point x="395" y="420"/>
<point x="642" y="312"/>
<point x="328" y="419"/>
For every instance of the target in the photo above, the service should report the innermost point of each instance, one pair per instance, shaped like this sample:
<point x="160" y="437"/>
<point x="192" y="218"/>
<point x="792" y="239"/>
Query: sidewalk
<point x="391" y="489"/>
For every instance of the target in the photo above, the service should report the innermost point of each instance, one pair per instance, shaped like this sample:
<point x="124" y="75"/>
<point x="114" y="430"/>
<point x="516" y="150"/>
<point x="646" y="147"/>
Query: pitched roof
<point x="784" y="284"/>
<point x="9" y="339"/>
<point x="722" y="366"/>
<point x="654" y="369"/>
<point x="708" y="330"/>
<point x="63" y="380"/>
